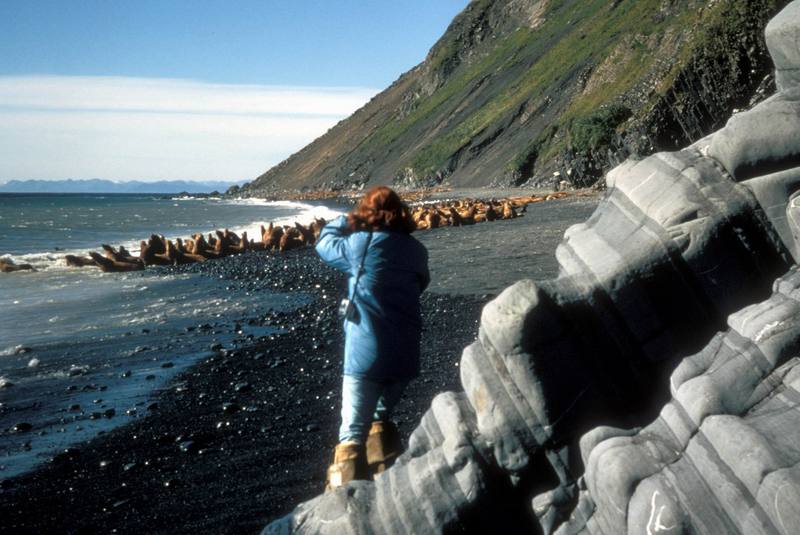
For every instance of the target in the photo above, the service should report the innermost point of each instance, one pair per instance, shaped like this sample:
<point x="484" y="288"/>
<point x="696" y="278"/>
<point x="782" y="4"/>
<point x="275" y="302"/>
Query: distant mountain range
<point x="97" y="185"/>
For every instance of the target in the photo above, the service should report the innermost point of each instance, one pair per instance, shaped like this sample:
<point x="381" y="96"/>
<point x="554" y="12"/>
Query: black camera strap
<point x="361" y="266"/>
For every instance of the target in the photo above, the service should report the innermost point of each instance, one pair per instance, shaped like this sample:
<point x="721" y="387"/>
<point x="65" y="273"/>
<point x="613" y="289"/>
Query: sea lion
<point x="187" y="249"/>
<point x="291" y="239"/>
<point x="202" y="248"/>
<point x="112" y="266"/>
<point x="508" y="211"/>
<point x="468" y="216"/>
<point x="241" y="246"/>
<point x="455" y="217"/>
<point x="433" y="219"/>
<point x="316" y="227"/>
<point x="111" y="254"/>
<point x="152" y="252"/>
<point x="8" y="266"/>
<point x="306" y="235"/>
<point x="273" y="240"/>
<point x="177" y="257"/>
<point x="79" y="261"/>
<point x="266" y="233"/>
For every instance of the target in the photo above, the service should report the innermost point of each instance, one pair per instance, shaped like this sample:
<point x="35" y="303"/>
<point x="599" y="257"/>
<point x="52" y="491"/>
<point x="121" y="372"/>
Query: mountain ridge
<point x="531" y="92"/>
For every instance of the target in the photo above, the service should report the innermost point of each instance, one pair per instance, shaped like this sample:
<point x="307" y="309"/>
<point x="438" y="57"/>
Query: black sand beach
<point x="246" y="434"/>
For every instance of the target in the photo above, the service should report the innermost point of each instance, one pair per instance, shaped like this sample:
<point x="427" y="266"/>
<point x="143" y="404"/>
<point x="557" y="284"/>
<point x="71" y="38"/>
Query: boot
<point x="349" y="463"/>
<point x="383" y="446"/>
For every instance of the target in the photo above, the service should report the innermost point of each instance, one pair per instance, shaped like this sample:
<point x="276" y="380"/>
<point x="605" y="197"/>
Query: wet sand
<point x="247" y="433"/>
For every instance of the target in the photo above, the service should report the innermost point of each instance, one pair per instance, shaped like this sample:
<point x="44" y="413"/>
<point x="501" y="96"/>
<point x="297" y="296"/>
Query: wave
<point x="9" y="351"/>
<point x="303" y="213"/>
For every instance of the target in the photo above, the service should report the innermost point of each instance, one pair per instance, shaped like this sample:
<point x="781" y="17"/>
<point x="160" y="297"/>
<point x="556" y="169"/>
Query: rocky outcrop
<point x="517" y="90"/>
<point x="653" y="386"/>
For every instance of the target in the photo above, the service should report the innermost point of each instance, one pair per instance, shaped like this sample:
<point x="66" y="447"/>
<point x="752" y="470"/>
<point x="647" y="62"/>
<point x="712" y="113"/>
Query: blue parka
<point x="382" y="341"/>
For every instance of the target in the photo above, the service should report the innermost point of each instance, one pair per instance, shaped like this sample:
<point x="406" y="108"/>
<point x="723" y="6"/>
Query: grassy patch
<point x="596" y="129"/>
<point x="524" y="162"/>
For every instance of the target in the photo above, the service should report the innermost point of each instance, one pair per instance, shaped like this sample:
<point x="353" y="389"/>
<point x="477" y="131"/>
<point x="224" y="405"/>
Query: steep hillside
<point x="536" y="91"/>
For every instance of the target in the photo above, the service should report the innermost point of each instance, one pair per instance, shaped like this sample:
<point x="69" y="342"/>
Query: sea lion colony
<point x="159" y="251"/>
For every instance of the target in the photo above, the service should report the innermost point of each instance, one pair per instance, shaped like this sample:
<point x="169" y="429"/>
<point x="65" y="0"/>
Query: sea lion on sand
<point x="8" y="266"/>
<point x="305" y="234"/>
<point x="455" y="217"/>
<point x="316" y="227"/>
<point x="241" y="246"/>
<point x="508" y="211"/>
<point x="468" y="216"/>
<point x="177" y="257"/>
<point x="187" y="249"/>
<point x="291" y="239"/>
<point x="201" y="247"/>
<point x="111" y="266"/>
<point x="273" y="240"/>
<point x="433" y="218"/>
<point x="111" y="254"/>
<point x="79" y="261"/>
<point x="152" y="252"/>
<point x="223" y="244"/>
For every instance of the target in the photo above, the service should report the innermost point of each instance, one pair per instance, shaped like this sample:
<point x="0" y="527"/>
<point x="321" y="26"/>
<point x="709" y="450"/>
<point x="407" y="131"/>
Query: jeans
<point x="365" y="401"/>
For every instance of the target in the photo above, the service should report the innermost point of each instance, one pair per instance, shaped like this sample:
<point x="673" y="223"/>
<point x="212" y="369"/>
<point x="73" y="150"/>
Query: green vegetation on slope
<point x="498" y="99"/>
<point x="577" y="34"/>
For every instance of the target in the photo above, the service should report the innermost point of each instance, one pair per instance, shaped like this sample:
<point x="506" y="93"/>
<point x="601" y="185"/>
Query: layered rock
<point x="654" y="385"/>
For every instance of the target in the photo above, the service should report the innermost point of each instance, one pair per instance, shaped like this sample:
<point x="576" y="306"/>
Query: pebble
<point x="188" y="446"/>
<point x="243" y="387"/>
<point x="68" y="454"/>
<point x="231" y="408"/>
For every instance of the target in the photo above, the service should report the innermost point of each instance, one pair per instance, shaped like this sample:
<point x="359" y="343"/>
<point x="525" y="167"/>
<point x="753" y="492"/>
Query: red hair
<point x="381" y="209"/>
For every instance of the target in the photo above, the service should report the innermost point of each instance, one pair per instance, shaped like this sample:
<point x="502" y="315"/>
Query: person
<point x="387" y="271"/>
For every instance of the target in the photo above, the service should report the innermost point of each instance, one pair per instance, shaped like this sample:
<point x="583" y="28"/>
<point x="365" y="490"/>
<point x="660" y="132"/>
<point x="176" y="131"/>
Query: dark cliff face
<point x="537" y="91"/>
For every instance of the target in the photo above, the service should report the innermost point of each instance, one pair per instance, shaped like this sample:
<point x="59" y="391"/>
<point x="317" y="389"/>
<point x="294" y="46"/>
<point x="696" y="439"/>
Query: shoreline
<point x="241" y="437"/>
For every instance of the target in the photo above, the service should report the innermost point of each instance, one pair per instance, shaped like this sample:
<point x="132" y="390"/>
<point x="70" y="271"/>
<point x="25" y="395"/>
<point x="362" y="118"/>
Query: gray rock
<point x="652" y="386"/>
<point x="724" y="450"/>
<point x="783" y="34"/>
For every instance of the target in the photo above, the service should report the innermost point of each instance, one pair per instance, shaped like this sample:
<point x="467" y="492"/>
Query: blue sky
<point x="192" y="90"/>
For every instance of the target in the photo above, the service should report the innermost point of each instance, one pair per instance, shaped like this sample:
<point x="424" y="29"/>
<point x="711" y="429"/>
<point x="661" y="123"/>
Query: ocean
<point x="82" y="351"/>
